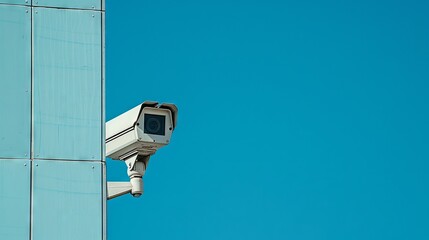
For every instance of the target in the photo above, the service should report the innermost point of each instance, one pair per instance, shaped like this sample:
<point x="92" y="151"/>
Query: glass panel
<point x="21" y="2"/>
<point x="15" y="81"/>
<point x="67" y="84"/>
<point x="15" y="199"/>
<point x="81" y="4"/>
<point x="67" y="200"/>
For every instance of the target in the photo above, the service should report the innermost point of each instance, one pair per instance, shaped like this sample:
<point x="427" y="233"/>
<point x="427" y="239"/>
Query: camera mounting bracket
<point x="136" y="168"/>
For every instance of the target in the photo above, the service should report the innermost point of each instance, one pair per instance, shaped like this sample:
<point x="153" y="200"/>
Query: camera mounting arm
<point x="117" y="189"/>
<point x="136" y="168"/>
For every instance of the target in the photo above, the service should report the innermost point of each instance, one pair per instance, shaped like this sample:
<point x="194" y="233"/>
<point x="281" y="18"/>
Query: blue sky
<point x="297" y="119"/>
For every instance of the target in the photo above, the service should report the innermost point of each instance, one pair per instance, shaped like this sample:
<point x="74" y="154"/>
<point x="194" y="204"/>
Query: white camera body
<point x="142" y="130"/>
<point x="134" y="137"/>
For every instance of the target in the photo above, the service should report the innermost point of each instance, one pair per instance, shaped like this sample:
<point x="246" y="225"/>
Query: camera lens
<point x="154" y="124"/>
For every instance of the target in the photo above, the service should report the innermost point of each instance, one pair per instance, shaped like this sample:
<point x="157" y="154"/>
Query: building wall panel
<point x="15" y="81"/>
<point x="79" y="4"/>
<point x="20" y="2"/>
<point x="67" y="84"/>
<point x="67" y="200"/>
<point x="14" y="199"/>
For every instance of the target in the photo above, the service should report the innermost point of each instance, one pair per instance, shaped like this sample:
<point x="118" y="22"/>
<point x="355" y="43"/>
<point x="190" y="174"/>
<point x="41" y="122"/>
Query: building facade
<point x="52" y="164"/>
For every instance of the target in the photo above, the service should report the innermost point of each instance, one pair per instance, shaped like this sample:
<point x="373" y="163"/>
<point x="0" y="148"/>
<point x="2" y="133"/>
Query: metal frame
<point x="103" y="119"/>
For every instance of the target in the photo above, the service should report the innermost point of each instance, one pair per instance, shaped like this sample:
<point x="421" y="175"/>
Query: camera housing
<point x="142" y="130"/>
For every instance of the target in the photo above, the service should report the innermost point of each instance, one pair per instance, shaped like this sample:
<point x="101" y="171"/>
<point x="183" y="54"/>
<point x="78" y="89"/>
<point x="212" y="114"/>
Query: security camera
<point x="141" y="130"/>
<point x="134" y="137"/>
